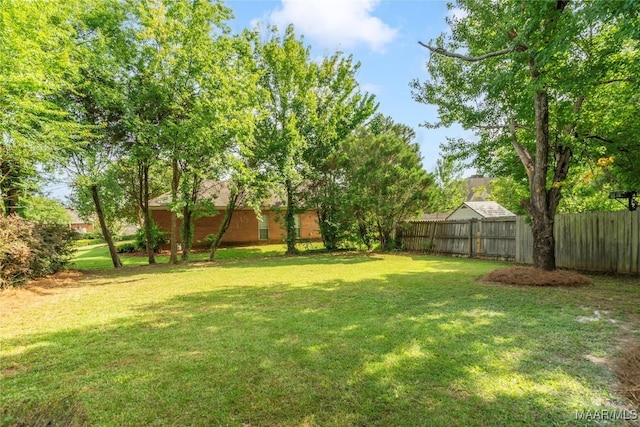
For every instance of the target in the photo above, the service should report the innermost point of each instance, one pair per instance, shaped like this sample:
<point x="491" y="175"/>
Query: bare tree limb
<point x="502" y="127"/>
<point x="599" y="138"/>
<point x="522" y="152"/>
<point x="441" y="51"/>
<point x="571" y="127"/>
<point x="561" y="170"/>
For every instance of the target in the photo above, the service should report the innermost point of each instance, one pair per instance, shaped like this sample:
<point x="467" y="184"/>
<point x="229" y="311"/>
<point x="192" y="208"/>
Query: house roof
<point x="216" y="191"/>
<point x="488" y="209"/>
<point x="75" y="218"/>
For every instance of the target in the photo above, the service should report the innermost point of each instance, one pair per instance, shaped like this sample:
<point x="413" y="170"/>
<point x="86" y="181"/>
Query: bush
<point x="84" y="242"/>
<point x="126" y="237"/>
<point x="95" y="234"/>
<point x="53" y="249"/>
<point x="29" y="250"/>
<point x="15" y="253"/>
<point x="126" y="248"/>
<point x="158" y="238"/>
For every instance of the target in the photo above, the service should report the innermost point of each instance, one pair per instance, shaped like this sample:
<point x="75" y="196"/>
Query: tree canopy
<point x="35" y="52"/>
<point x="133" y="98"/>
<point x="531" y="80"/>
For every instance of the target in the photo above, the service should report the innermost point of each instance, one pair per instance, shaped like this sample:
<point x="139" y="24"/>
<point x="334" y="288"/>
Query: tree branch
<point x="571" y="127"/>
<point x="441" y="51"/>
<point x="502" y="127"/>
<point x="522" y="152"/>
<point x="599" y="138"/>
<point x="561" y="170"/>
<point x="606" y="82"/>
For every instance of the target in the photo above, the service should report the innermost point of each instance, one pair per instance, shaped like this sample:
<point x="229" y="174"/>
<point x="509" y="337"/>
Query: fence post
<point x="470" y="237"/>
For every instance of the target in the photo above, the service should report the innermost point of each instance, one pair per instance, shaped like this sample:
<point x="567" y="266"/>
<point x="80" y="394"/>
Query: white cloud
<point x="333" y="23"/>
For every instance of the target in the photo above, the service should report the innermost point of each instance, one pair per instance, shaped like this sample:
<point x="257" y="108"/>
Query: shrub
<point x="53" y="249"/>
<point x="29" y="250"/>
<point x="15" y="253"/>
<point x="158" y="238"/>
<point x="126" y="248"/>
<point x="127" y="237"/>
<point x="94" y="235"/>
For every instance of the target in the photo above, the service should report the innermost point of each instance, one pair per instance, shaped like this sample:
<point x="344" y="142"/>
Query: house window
<point x="296" y="220"/>
<point x="263" y="227"/>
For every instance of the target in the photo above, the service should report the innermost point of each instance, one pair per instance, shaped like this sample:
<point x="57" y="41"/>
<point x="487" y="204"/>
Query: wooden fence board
<point x="595" y="241"/>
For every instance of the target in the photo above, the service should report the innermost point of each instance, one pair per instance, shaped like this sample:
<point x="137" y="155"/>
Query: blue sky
<point x="382" y="34"/>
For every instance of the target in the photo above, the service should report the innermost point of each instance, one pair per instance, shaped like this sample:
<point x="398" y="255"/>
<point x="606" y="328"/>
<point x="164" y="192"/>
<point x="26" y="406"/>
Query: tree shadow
<point x="400" y="350"/>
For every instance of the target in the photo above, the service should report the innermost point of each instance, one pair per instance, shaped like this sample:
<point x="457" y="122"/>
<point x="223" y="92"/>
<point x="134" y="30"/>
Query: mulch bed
<point x="628" y="371"/>
<point x="529" y="276"/>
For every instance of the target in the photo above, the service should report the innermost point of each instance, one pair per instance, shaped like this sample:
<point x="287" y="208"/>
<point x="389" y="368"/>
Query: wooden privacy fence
<point x="488" y="238"/>
<point x="594" y="241"/>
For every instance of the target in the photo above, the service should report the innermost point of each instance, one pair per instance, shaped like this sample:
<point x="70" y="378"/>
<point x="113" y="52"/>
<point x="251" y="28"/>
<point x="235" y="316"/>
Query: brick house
<point x="245" y="227"/>
<point x="78" y="224"/>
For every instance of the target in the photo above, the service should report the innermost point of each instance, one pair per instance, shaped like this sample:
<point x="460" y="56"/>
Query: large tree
<point x="219" y="128"/>
<point x="96" y="100"/>
<point x="35" y="51"/>
<point x="193" y="99"/>
<point x="289" y="79"/>
<point x="525" y="75"/>
<point x="340" y="108"/>
<point x="385" y="181"/>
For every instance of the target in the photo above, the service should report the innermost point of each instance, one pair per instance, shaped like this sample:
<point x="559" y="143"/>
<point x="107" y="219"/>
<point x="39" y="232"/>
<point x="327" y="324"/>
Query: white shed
<point x="480" y="210"/>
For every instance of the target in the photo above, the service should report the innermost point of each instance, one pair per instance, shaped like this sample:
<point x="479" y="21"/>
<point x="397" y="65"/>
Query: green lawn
<point x="97" y="257"/>
<point x="351" y="339"/>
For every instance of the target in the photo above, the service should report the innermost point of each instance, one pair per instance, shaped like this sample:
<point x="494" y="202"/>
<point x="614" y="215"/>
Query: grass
<point x="80" y="243"/>
<point x="97" y="257"/>
<point x="311" y="340"/>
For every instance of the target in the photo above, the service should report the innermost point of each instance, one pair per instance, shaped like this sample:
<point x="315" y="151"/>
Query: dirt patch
<point x="58" y="280"/>
<point x="14" y="299"/>
<point x="628" y="372"/>
<point x="529" y="276"/>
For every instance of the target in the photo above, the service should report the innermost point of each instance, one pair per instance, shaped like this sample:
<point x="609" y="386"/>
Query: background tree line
<point x="136" y="98"/>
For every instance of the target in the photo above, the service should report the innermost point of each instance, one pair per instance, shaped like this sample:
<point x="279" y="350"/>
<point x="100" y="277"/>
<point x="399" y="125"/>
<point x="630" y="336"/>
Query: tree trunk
<point x="187" y="232"/>
<point x="147" y="216"/>
<point x="540" y="209"/>
<point x="327" y="211"/>
<point x="543" y="242"/>
<point x="226" y="221"/>
<point x="328" y="230"/>
<point x="11" y="200"/>
<point x="175" y="181"/>
<point x="363" y="230"/>
<point x="290" y="220"/>
<point x="9" y="190"/>
<point x="386" y="238"/>
<point x="103" y="227"/>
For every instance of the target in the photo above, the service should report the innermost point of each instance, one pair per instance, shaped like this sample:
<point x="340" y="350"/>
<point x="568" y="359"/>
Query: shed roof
<point x="488" y="209"/>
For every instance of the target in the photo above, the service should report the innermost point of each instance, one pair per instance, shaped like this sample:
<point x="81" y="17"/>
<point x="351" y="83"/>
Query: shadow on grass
<point x="96" y="277"/>
<point x="96" y="259"/>
<point x="408" y="349"/>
